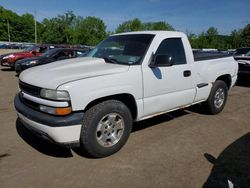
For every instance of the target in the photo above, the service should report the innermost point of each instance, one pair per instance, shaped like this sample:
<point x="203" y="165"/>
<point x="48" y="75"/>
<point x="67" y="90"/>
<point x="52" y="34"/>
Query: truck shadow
<point x="40" y="144"/>
<point x="198" y="108"/>
<point x="232" y="166"/>
<point x="243" y="80"/>
<point x="157" y="120"/>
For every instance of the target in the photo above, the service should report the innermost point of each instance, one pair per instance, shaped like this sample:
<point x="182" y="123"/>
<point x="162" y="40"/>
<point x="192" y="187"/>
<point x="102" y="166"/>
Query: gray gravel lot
<point x="181" y="149"/>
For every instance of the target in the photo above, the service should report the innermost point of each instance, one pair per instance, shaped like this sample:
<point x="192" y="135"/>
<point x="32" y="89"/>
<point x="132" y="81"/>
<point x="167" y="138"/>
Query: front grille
<point x="29" y="103"/>
<point x="32" y="90"/>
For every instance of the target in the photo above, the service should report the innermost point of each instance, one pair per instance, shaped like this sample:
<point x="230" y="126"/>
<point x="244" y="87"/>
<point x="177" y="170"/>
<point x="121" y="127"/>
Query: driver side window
<point x="173" y="47"/>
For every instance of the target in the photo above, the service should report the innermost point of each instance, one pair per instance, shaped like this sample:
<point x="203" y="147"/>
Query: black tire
<point x="213" y="105"/>
<point x="94" y="118"/>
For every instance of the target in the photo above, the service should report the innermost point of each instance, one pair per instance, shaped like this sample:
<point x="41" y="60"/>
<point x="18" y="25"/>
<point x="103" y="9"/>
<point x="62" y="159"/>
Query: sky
<point x="184" y="15"/>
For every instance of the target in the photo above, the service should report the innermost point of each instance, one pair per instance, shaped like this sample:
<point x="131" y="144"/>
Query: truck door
<point x="171" y="86"/>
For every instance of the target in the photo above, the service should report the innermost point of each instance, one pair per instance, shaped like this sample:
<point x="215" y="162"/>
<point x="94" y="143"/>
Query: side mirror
<point x="161" y="61"/>
<point x="33" y="52"/>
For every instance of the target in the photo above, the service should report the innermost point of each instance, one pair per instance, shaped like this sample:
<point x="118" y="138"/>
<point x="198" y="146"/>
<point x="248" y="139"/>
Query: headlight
<point x="9" y="56"/>
<point x="55" y="95"/>
<point x="56" y="110"/>
<point x="32" y="62"/>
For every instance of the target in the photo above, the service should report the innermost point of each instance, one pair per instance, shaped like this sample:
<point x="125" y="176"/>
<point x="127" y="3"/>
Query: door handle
<point x="187" y="73"/>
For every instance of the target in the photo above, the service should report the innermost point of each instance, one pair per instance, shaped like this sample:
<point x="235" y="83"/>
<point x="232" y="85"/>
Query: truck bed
<point x="200" y="56"/>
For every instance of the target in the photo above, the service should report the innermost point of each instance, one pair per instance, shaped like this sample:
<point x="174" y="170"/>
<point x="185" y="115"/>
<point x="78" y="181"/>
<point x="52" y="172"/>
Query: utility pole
<point x="35" y="27"/>
<point x="8" y="26"/>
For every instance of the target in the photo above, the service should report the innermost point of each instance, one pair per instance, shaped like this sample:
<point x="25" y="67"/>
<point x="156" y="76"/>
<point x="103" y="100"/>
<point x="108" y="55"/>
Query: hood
<point x="57" y="73"/>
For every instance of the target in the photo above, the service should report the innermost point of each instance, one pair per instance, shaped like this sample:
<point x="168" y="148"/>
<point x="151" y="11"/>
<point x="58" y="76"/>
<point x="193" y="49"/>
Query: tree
<point x="89" y="31"/>
<point x="236" y="38"/>
<point x="28" y="29"/>
<point x="193" y="38"/>
<point x="245" y="36"/>
<point x="21" y="27"/>
<point x="137" y="25"/>
<point x="66" y="23"/>
<point x="158" y="26"/>
<point x="59" y="29"/>
<point x="212" y="31"/>
<point x="51" y="31"/>
<point x="131" y="25"/>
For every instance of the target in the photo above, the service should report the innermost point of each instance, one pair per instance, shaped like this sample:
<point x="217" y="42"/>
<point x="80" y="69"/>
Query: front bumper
<point x="18" y="68"/>
<point x="62" y="130"/>
<point x="21" y="67"/>
<point x="7" y="63"/>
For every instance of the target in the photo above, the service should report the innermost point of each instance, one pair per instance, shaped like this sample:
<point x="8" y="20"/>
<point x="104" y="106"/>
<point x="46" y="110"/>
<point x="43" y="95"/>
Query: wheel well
<point x="127" y="99"/>
<point x="226" y="78"/>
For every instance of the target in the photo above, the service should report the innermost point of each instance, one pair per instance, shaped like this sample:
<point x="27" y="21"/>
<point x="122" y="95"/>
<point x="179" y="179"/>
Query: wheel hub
<point x="219" y="98"/>
<point x="110" y="129"/>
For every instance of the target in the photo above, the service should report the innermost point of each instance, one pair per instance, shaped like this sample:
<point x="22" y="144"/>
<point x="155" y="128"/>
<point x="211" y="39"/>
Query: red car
<point x="8" y="60"/>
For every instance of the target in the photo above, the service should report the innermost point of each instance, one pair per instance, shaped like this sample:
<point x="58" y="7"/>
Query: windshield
<point x="248" y="54"/>
<point x="50" y="52"/>
<point x="29" y="49"/>
<point x="123" y="49"/>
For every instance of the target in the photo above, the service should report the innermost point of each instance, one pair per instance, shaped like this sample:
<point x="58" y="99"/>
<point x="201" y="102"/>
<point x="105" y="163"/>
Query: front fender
<point x="84" y="91"/>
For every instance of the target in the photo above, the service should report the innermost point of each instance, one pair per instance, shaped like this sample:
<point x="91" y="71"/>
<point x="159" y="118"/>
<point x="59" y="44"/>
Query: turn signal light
<point x="60" y="111"/>
<point x="63" y="111"/>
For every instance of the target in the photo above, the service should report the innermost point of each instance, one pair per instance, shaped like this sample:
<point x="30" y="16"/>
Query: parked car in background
<point x="244" y="63"/>
<point x="9" y="60"/>
<point x="48" y="57"/>
<point x="242" y="51"/>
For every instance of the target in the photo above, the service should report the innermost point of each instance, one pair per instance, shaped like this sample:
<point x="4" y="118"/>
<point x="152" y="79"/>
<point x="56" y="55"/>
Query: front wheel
<point x="106" y="128"/>
<point x="217" y="98"/>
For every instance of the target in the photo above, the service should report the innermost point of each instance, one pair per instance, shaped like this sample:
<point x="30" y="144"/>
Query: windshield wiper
<point x="111" y="60"/>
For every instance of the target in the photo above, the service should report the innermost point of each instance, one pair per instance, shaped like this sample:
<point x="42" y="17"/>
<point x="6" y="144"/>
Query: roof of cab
<point x="169" y="33"/>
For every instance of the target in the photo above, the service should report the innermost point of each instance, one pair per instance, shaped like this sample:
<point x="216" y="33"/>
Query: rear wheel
<point x="217" y="98"/>
<point x="106" y="128"/>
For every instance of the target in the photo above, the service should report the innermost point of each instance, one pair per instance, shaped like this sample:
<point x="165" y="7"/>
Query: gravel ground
<point x="186" y="148"/>
<point x="5" y="51"/>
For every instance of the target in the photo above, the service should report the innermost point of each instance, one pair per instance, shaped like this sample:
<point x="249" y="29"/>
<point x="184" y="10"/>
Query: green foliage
<point x="21" y="27"/>
<point x="245" y="36"/>
<point x="89" y="31"/>
<point x="212" y="39"/>
<point x="158" y="26"/>
<point x="212" y="31"/>
<point x="58" y="30"/>
<point x="137" y="25"/>
<point x="132" y="25"/>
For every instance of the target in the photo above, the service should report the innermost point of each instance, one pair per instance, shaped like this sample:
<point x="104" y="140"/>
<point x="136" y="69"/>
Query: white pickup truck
<point x="91" y="102"/>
